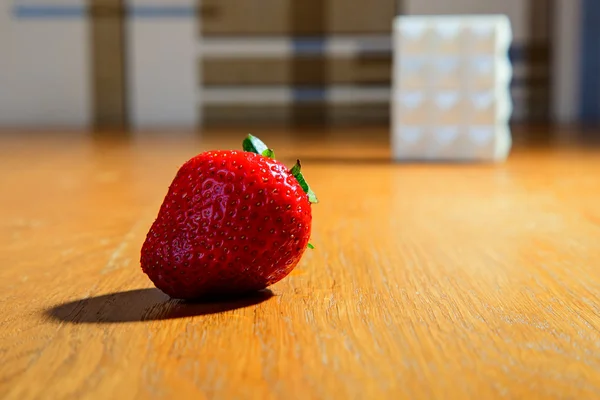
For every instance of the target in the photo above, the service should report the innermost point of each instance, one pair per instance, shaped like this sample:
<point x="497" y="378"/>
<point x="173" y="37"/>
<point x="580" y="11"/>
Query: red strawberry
<point x="231" y="222"/>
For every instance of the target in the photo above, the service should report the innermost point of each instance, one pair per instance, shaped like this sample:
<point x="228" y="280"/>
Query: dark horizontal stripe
<point x="280" y="115"/>
<point x="526" y="83"/>
<point x="289" y="84"/>
<point x="306" y="89"/>
<point x="312" y="92"/>
<point x="291" y="31"/>
<point x="267" y="81"/>
<point x="362" y="36"/>
<point x="242" y="115"/>
<point x="162" y="11"/>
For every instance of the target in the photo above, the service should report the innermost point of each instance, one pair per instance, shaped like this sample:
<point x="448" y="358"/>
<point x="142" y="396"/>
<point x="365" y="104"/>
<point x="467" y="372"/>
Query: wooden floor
<point x="427" y="281"/>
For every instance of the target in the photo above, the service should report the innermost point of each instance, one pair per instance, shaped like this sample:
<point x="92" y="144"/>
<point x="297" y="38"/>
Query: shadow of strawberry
<point x="147" y="305"/>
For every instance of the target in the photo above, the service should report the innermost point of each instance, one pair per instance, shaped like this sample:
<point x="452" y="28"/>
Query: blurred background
<point x="185" y="64"/>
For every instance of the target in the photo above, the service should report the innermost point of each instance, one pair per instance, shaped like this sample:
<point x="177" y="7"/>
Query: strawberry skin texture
<point x="232" y="222"/>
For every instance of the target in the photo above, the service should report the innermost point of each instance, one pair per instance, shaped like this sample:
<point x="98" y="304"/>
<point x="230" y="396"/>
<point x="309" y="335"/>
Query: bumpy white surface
<point x="450" y="97"/>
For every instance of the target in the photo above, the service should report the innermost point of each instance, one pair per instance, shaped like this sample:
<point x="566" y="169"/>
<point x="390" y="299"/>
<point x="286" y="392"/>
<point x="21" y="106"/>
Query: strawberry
<point x="231" y="222"/>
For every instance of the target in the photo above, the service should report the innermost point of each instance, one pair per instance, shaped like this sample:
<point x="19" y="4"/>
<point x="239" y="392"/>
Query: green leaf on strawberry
<point x="269" y="153"/>
<point x="253" y="144"/>
<point x="312" y="197"/>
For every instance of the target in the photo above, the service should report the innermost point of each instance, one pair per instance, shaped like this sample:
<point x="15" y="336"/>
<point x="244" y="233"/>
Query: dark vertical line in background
<point x="550" y="14"/>
<point x="124" y="57"/>
<point x="108" y="63"/>
<point x="308" y="27"/>
<point x="590" y="62"/>
<point x="538" y="61"/>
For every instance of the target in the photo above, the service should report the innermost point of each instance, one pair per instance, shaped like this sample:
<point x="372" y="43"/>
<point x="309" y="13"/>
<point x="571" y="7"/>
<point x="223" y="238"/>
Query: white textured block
<point x="452" y="143"/>
<point x="415" y="36"/>
<point x="447" y="38"/>
<point x="451" y="82"/>
<point x="413" y="107"/>
<point x="487" y="71"/>
<point x="488" y="35"/>
<point x="446" y="72"/>
<point x="415" y="73"/>
<point x="448" y="107"/>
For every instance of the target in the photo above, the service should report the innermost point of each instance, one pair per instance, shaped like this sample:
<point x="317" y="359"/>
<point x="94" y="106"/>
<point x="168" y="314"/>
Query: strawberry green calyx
<point x="312" y="197"/>
<point x="310" y="246"/>
<point x="269" y="153"/>
<point x="253" y="144"/>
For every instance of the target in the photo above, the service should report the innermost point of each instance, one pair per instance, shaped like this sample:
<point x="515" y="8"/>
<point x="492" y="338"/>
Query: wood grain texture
<point x="427" y="281"/>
